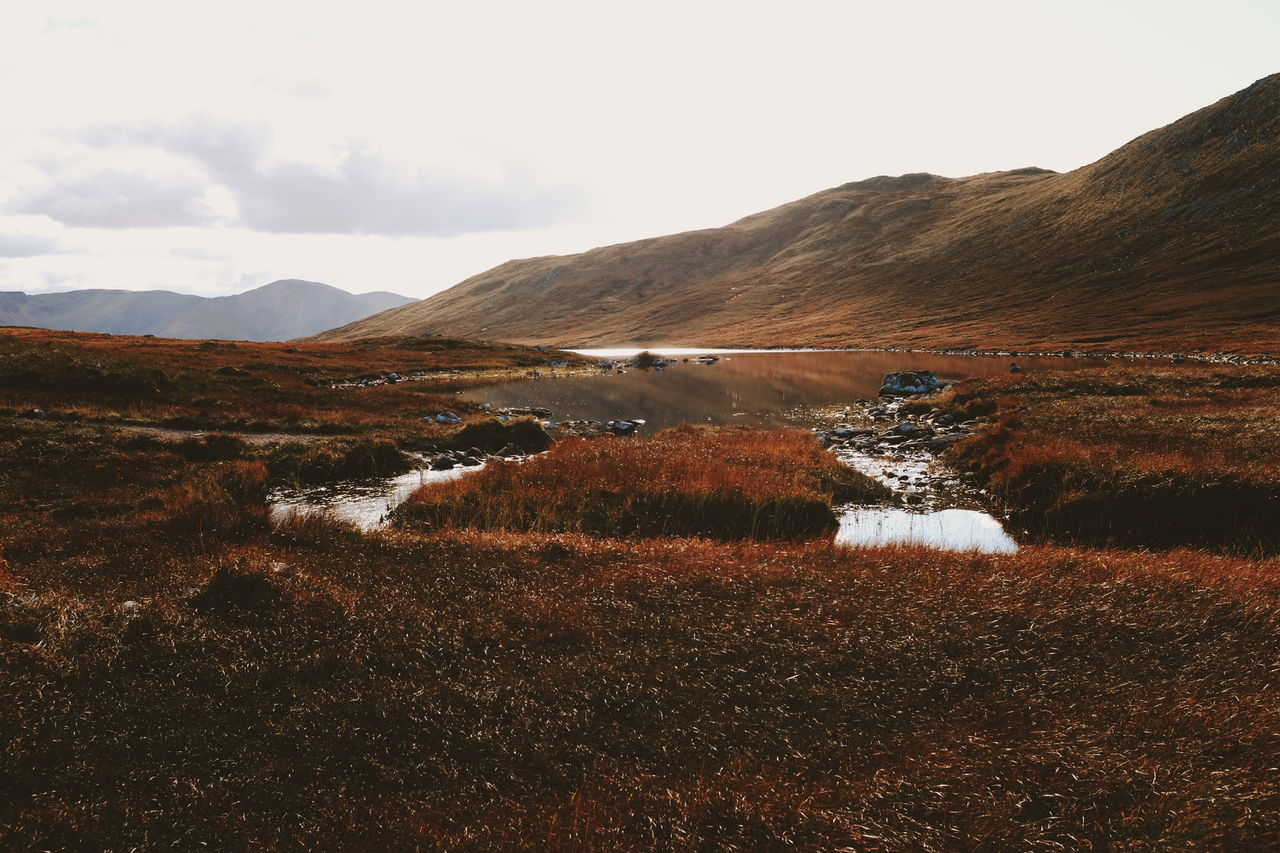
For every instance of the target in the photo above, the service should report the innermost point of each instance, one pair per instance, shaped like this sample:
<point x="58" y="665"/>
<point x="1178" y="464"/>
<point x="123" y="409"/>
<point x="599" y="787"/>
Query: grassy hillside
<point x="1170" y="242"/>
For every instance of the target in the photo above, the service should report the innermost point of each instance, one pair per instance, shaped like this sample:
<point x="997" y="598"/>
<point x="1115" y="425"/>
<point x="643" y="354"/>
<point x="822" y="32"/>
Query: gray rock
<point x="909" y="382"/>
<point x="442" y="463"/>
<point x="448" y="418"/>
<point x="942" y="442"/>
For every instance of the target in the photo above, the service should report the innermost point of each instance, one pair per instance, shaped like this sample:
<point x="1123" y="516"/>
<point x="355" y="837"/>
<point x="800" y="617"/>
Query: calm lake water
<point x="768" y="389"/>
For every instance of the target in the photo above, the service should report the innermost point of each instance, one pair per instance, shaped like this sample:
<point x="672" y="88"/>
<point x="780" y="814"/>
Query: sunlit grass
<point x="726" y="484"/>
<point x="1135" y="455"/>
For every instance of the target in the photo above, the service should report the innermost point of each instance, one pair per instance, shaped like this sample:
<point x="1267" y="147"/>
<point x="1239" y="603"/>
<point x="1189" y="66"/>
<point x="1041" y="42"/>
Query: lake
<point x="767" y="389"/>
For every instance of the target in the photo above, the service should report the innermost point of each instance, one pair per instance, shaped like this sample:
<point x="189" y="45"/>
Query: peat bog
<point x="623" y="643"/>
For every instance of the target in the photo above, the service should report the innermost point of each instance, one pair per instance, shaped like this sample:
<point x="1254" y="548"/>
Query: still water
<point x="364" y="503"/>
<point x="768" y="389"/>
<point x="951" y="529"/>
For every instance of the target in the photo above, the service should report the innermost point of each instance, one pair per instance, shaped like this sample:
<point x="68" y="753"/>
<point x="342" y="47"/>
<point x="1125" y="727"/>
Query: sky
<point x="212" y="148"/>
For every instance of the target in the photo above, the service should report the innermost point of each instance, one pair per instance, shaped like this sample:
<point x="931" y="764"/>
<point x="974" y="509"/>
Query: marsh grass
<point x="176" y="673"/>
<point x="687" y="481"/>
<point x="238" y="386"/>
<point x="326" y="461"/>
<point x="1135" y="456"/>
<point x="481" y="691"/>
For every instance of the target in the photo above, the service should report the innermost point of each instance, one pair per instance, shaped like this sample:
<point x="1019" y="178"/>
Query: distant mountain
<point x="274" y="312"/>
<point x="1171" y="241"/>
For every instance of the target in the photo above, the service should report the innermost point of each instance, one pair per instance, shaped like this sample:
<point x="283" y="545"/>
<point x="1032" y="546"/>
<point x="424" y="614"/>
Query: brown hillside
<point x="1172" y="241"/>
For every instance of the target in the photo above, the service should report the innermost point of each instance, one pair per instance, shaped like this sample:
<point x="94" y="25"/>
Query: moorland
<point x="624" y="643"/>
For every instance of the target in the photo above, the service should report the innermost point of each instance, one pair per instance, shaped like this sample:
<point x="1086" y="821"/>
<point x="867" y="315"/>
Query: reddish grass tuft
<point x="1133" y="456"/>
<point x="228" y="498"/>
<point x="724" y="484"/>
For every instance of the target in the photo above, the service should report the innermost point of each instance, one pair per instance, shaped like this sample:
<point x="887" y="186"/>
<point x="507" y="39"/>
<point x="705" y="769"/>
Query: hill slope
<point x="1171" y="241"/>
<point x="274" y="312"/>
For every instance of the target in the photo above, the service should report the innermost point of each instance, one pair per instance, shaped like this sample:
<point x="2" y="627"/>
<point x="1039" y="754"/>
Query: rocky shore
<point x="901" y="448"/>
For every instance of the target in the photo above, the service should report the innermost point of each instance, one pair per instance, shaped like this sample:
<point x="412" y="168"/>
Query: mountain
<point x="1171" y="241"/>
<point x="274" y="312"/>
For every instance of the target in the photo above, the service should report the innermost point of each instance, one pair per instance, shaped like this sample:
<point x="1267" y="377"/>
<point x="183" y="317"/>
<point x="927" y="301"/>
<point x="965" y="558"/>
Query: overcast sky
<point x="210" y="148"/>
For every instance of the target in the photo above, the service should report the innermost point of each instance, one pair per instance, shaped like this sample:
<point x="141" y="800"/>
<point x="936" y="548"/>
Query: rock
<point x="523" y="411"/>
<point x="909" y="382"/>
<point x="512" y="450"/>
<point x="448" y="418"/>
<point x="942" y="442"/>
<point x="442" y="463"/>
<point x="622" y="427"/>
<point x="914" y="498"/>
<point x="131" y="606"/>
<point x="393" y="378"/>
<point x="1014" y="367"/>
<point x="468" y="461"/>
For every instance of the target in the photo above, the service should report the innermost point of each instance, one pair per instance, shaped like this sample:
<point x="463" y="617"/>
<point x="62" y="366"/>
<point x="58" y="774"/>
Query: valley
<point x="920" y="513"/>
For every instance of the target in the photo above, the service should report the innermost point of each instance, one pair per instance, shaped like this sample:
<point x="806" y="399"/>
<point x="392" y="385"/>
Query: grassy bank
<point x="319" y="689"/>
<point x="687" y="481"/>
<point x="255" y="387"/>
<point x="1134" y="456"/>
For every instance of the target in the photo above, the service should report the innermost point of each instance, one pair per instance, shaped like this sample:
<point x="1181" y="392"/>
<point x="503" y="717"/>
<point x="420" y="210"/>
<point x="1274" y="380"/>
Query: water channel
<point x="758" y="388"/>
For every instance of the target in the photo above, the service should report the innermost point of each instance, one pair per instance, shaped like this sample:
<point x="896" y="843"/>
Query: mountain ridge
<point x="1171" y="241"/>
<point x="277" y="311"/>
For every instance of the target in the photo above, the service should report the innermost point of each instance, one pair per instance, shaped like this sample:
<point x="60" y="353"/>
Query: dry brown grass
<point x="173" y="674"/>
<point x="1136" y="455"/>
<point x="254" y="387"/>
<point x="687" y="481"/>
<point x="479" y="692"/>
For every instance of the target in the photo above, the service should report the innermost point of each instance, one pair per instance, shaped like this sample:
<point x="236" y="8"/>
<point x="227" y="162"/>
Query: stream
<point x="805" y="389"/>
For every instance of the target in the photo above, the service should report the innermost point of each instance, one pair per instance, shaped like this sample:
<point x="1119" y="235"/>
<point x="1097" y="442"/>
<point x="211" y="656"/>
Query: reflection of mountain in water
<point x="761" y="386"/>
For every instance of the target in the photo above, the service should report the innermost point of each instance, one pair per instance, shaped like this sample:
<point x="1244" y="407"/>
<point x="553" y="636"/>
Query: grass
<point x="175" y="672"/>
<point x="300" y="464"/>
<point x="469" y="691"/>
<point x="252" y="387"/>
<point x="687" y="481"/>
<point x="1133" y="456"/>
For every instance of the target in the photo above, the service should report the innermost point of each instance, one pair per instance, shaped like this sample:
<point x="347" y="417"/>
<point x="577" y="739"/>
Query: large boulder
<point x="909" y="382"/>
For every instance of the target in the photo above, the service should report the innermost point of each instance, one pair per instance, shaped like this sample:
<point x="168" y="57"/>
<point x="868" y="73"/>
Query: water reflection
<point x="951" y="529"/>
<point x="364" y="504"/>
<point x="766" y="389"/>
